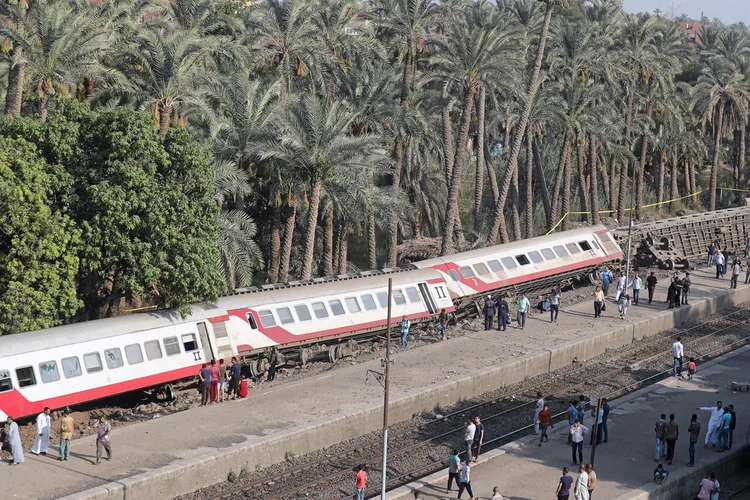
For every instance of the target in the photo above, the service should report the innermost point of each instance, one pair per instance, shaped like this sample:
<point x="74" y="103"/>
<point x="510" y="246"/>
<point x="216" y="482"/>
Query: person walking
<point x="554" y="305"/>
<point x="714" y="423"/>
<point x="694" y="431"/>
<point x="405" y="324"/>
<point x="235" y="373"/>
<point x="454" y="465"/>
<point x="726" y="420"/>
<point x="103" y="439"/>
<point x="671" y="433"/>
<point x="577" y="430"/>
<point x="711" y="252"/>
<point x="686" y="283"/>
<point x="469" y="432"/>
<point x="678" y="351"/>
<point x="563" y="487"/>
<point x="705" y="487"/>
<point x="443" y="324"/>
<point x="598" y="302"/>
<point x="478" y="435"/>
<point x="636" y="283"/>
<point x="465" y="480"/>
<point x="360" y="482"/>
<point x="572" y="417"/>
<point x="660" y="429"/>
<point x="502" y="313"/>
<point x="582" y="484"/>
<point x="523" y="309"/>
<point x="214" y="387"/>
<point x="732" y="425"/>
<point x="67" y="426"/>
<point x="43" y="429"/>
<point x="720" y="260"/>
<point x="538" y="408"/>
<point x="13" y="438"/>
<point x="205" y="381"/>
<point x="544" y="421"/>
<point x="651" y="282"/>
<point x="592" y="480"/>
<point x="622" y="304"/>
<point x="489" y="312"/>
<point x="736" y="268"/>
<point x="620" y="286"/>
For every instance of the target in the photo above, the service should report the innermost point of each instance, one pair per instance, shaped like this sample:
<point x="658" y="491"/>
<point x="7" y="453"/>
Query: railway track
<point x="414" y="452"/>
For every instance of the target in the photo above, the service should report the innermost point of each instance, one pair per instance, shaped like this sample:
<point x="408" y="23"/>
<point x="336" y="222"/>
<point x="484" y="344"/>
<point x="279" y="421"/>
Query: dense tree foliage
<point x="361" y="123"/>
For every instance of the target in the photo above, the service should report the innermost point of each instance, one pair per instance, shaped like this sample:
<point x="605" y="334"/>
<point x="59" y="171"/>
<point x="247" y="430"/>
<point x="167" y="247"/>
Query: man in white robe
<point x="582" y="484"/>
<point x="43" y="428"/>
<point x="714" y="424"/>
<point x="14" y="440"/>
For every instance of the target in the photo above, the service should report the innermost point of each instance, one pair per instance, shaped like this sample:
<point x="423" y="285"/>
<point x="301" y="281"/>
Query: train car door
<point x="427" y="296"/>
<point x="208" y="349"/>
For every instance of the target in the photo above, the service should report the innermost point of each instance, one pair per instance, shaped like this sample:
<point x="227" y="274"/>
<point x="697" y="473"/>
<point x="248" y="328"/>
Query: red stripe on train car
<point x="219" y="319"/>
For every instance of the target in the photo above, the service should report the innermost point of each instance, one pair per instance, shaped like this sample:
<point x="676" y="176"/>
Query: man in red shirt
<point x="243" y="388"/>
<point x="361" y="482"/>
<point x="544" y="419"/>
<point x="214" y="381"/>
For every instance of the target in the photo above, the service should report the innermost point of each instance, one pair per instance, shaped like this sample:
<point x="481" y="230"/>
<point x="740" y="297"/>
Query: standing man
<point x="361" y="481"/>
<point x="732" y="425"/>
<point x="103" y="431"/>
<point x="714" y="423"/>
<point x="235" y="372"/>
<point x="736" y="268"/>
<point x="694" y="430"/>
<point x="13" y="438"/>
<point x="651" y="286"/>
<point x="711" y="252"/>
<point x="606" y="280"/>
<point x="465" y="480"/>
<point x="660" y="428"/>
<point x="677" y="289"/>
<point x="443" y="324"/>
<point x="577" y="430"/>
<point x="622" y="304"/>
<point x="544" y="421"/>
<point x="523" y="309"/>
<point x="678" y="351"/>
<point x="538" y="408"/>
<point x="554" y="305"/>
<point x="454" y="465"/>
<point x="686" y="283"/>
<point x="405" y="324"/>
<point x="478" y="435"/>
<point x="502" y="313"/>
<point x="592" y="479"/>
<point x="599" y="421"/>
<point x="620" y="286"/>
<point x="726" y="420"/>
<point x="598" y="302"/>
<point x="605" y="415"/>
<point x="563" y="487"/>
<point x="43" y="428"/>
<point x="572" y="414"/>
<point x="636" y="283"/>
<point x="720" y="265"/>
<point x="205" y="376"/>
<point x="582" y="484"/>
<point x="671" y="434"/>
<point x="214" y="387"/>
<point x="469" y="433"/>
<point x="276" y="361"/>
<point x="222" y="381"/>
<point x="581" y="407"/>
<point x="489" y="312"/>
<point x="67" y="426"/>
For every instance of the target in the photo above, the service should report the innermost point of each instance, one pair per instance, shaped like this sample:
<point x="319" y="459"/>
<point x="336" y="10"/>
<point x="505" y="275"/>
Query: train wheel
<point x="165" y="393"/>
<point x="332" y="354"/>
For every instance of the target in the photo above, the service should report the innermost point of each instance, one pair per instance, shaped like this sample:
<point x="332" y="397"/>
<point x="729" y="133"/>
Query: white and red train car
<point x="82" y="362"/>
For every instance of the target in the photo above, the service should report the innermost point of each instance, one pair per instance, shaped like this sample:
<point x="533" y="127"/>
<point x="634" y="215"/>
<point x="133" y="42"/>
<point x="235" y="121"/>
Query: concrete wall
<point x="187" y="475"/>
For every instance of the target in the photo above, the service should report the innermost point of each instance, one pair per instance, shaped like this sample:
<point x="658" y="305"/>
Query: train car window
<point x="303" y="313"/>
<point x="495" y="265"/>
<point x="467" y="272"/>
<point x="584" y="245"/>
<point x="171" y="346"/>
<point x="336" y="308"/>
<point x="560" y="250"/>
<point x="93" y="362"/>
<point x="320" y="310"/>
<point x="548" y="254"/>
<point x="5" y="382"/>
<point x="481" y="269"/>
<point x="383" y="299"/>
<point x="153" y="349"/>
<point x="71" y="367"/>
<point x="114" y="357"/>
<point x="266" y="318"/>
<point x="25" y="376"/>
<point x="285" y="315"/>
<point x="535" y="257"/>
<point x="251" y="321"/>
<point x="573" y="248"/>
<point x="413" y="294"/>
<point x="454" y="274"/>
<point x="134" y="354"/>
<point x="48" y="372"/>
<point x="523" y="260"/>
<point x="398" y="297"/>
<point x="352" y="304"/>
<point x="368" y="302"/>
<point x="509" y="263"/>
<point x="596" y="245"/>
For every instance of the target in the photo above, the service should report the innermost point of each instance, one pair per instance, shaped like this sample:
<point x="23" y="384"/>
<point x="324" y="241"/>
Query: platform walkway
<point x="181" y="452"/>
<point x="624" y="465"/>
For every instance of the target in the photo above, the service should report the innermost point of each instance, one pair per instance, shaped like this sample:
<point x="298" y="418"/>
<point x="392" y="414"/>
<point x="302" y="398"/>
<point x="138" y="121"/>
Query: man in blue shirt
<point x="726" y="420"/>
<point x="502" y="313"/>
<point x="404" y="324"/>
<point x="572" y="417"/>
<point x="205" y="376"/>
<point x="563" y="487"/>
<point x="607" y="278"/>
<point x="711" y="251"/>
<point x="489" y="312"/>
<point x="660" y="474"/>
<point x="605" y="415"/>
<point x="235" y="372"/>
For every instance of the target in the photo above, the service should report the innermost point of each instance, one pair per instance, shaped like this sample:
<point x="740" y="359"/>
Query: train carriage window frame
<point x="68" y="371"/>
<point x="467" y="272"/>
<point x="413" y="295"/>
<point x="251" y="321"/>
<point x="585" y="245"/>
<point x="169" y="347"/>
<point x="535" y="257"/>
<point x="548" y="254"/>
<point x="137" y="355"/>
<point x="152" y="354"/>
<point x="285" y="315"/>
<point x="48" y="374"/>
<point x="92" y="361"/>
<point x="481" y="269"/>
<point x="303" y="312"/>
<point x="509" y="262"/>
<point x="495" y="265"/>
<point x="6" y="384"/>
<point x="337" y="308"/>
<point x="595" y="244"/>
<point x="27" y="378"/>
<point x="573" y="248"/>
<point x="368" y="301"/>
<point x="382" y="299"/>
<point x="523" y="260"/>
<point x="113" y="357"/>
<point x="352" y="304"/>
<point x="320" y="312"/>
<point x="560" y="251"/>
<point x="266" y="316"/>
<point x="399" y="298"/>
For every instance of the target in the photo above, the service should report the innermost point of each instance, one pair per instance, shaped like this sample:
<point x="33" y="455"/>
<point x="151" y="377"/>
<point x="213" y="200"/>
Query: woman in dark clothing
<point x="671" y="294"/>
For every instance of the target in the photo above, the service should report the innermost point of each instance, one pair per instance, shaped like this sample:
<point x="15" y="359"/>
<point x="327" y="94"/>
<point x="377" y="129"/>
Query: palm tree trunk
<point x="328" y="243"/>
<point x="602" y="166"/>
<point x="416" y="207"/>
<point x="626" y="161"/>
<point x="451" y="214"/>
<point x="336" y="247"/>
<point x="286" y="243"/>
<point x="564" y="156"/>
<point x="741" y="163"/>
<point x="273" y="268"/>
<point x="566" y="194"/>
<point x="498" y="223"/>
<point x="674" y="192"/>
<point x="43" y="107"/>
<point x="613" y="187"/>
<point x="164" y="112"/>
<point x="479" y="180"/>
<point x="691" y="168"/>
<point x="371" y="242"/>
<point x="593" y="180"/>
<point x="491" y="175"/>
<point x="312" y="225"/>
<point x="529" y="185"/>
<point x="583" y="185"/>
<point x="642" y="166"/>
<point x="16" y="76"/>
<point x="398" y="165"/>
<point x="662" y="172"/>
<point x="542" y="183"/>
<point x="717" y="150"/>
<point x="515" y="202"/>
<point x="343" y="247"/>
<point x="447" y="144"/>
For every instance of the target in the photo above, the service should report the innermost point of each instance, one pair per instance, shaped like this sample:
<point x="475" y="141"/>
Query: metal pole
<point x="630" y="238"/>
<point x="387" y="386"/>
<point x="594" y="434"/>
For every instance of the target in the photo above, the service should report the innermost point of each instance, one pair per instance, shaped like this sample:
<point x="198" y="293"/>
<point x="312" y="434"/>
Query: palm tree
<point x="17" y="35"/>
